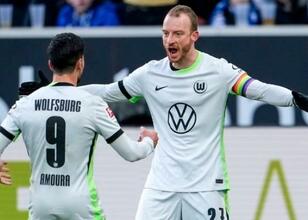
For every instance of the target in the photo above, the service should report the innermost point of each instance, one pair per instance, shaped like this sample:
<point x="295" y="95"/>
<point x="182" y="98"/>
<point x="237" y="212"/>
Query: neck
<point x="188" y="60"/>
<point x="66" y="77"/>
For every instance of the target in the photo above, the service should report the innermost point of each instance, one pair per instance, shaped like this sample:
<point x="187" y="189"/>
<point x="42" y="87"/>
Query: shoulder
<point x="25" y="100"/>
<point x="98" y="108"/>
<point x="153" y="66"/>
<point x="87" y="97"/>
<point x="210" y="60"/>
<point x="220" y="66"/>
<point x="91" y="101"/>
<point x="158" y="65"/>
<point x="19" y="106"/>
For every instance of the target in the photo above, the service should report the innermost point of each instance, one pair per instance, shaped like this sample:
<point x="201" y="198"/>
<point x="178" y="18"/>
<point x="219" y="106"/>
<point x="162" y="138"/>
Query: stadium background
<point x="266" y="146"/>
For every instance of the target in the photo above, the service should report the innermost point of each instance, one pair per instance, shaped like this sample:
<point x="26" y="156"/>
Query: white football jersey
<point x="188" y="109"/>
<point x="59" y="125"/>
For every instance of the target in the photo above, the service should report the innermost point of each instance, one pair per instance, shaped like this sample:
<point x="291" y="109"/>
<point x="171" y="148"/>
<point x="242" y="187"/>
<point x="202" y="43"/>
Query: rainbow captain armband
<point x="241" y="85"/>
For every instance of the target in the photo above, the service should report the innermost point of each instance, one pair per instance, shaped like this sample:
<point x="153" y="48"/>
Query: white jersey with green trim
<point x="187" y="108"/>
<point x="59" y="125"/>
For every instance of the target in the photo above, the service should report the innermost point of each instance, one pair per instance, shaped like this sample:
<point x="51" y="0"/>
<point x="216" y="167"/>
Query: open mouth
<point x="172" y="50"/>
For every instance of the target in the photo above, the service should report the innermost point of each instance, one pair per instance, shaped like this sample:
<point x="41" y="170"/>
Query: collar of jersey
<point x="191" y="67"/>
<point x="60" y="84"/>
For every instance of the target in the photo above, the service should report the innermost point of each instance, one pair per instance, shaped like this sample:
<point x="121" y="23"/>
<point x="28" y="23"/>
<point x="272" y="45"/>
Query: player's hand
<point x="300" y="100"/>
<point x="27" y="88"/>
<point x="5" y="177"/>
<point x="148" y="133"/>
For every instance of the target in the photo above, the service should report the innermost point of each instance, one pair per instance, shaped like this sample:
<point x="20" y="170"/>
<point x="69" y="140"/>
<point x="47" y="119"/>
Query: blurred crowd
<point x="85" y="13"/>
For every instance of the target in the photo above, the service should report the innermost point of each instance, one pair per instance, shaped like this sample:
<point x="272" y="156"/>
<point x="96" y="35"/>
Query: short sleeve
<point x="9" y="126"/>
<point x="105" y="122"/>
<point x="108" y="92"/>
<point x="132" y="84"/>
<point x="231" y="74"/>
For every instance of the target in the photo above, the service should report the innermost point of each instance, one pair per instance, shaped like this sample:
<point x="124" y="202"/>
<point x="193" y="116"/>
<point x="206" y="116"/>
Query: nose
<point x="170" y="39"/>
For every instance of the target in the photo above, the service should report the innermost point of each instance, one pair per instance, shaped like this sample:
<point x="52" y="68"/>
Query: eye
<point x="165" y="34"/>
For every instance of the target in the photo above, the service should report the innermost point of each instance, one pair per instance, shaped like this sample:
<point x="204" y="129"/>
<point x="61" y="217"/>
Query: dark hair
<point x="177" y="10"/>
<point x="64" y="50"/>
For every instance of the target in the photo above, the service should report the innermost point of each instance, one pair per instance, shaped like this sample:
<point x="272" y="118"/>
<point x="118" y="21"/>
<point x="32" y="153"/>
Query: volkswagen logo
<point x="181" y="118"/>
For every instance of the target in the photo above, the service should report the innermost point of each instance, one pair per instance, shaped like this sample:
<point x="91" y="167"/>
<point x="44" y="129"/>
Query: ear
<point x="50" y="66"/>
<point x="195" y="36"/>
<point x="80" y="63"/>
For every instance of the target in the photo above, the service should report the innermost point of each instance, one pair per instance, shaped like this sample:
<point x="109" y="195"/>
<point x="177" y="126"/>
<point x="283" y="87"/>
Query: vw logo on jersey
<point x="181" y="118"/>
<point x="200" y="86"/>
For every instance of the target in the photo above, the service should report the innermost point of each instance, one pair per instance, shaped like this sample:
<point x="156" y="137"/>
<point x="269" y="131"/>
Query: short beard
<point x="184" y="51"/>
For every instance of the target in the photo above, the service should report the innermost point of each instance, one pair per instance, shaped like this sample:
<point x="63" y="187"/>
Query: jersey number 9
<point x="55" y="135"/>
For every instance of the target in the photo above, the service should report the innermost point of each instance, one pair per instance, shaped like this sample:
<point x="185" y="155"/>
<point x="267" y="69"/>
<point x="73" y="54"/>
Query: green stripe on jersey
<point x="227" y="203"/>
<point x="95" y="206"/>
<point x="222" y="151"/>
<point x="191" y="67"/>
<point x="52" y="84"/>
<point x="135" y="99"/>
<point x="17" y="135"/>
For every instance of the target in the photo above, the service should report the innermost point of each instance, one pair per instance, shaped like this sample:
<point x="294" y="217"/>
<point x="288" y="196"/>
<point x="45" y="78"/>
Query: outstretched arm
<point x="269" y="93"/>
<point x="105" y="123"/>
<point x="112" y="92"/>
<point x="132" y="150"/>
<point x="130" y="88"/>
<point x="108" y="92"/>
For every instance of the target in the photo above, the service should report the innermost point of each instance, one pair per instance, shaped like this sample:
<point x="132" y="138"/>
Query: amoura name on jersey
<point x="55" y="179"/>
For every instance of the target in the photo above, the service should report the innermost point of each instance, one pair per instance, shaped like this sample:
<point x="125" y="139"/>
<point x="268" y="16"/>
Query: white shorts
<point x="162" y="205"/>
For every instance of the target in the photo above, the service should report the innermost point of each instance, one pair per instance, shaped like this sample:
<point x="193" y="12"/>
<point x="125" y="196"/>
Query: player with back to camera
<point x="60" y="124"/>
<point x="186" y="93"/>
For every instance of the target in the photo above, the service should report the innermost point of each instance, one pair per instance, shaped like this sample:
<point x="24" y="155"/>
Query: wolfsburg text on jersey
<point x="57" y="105"/>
